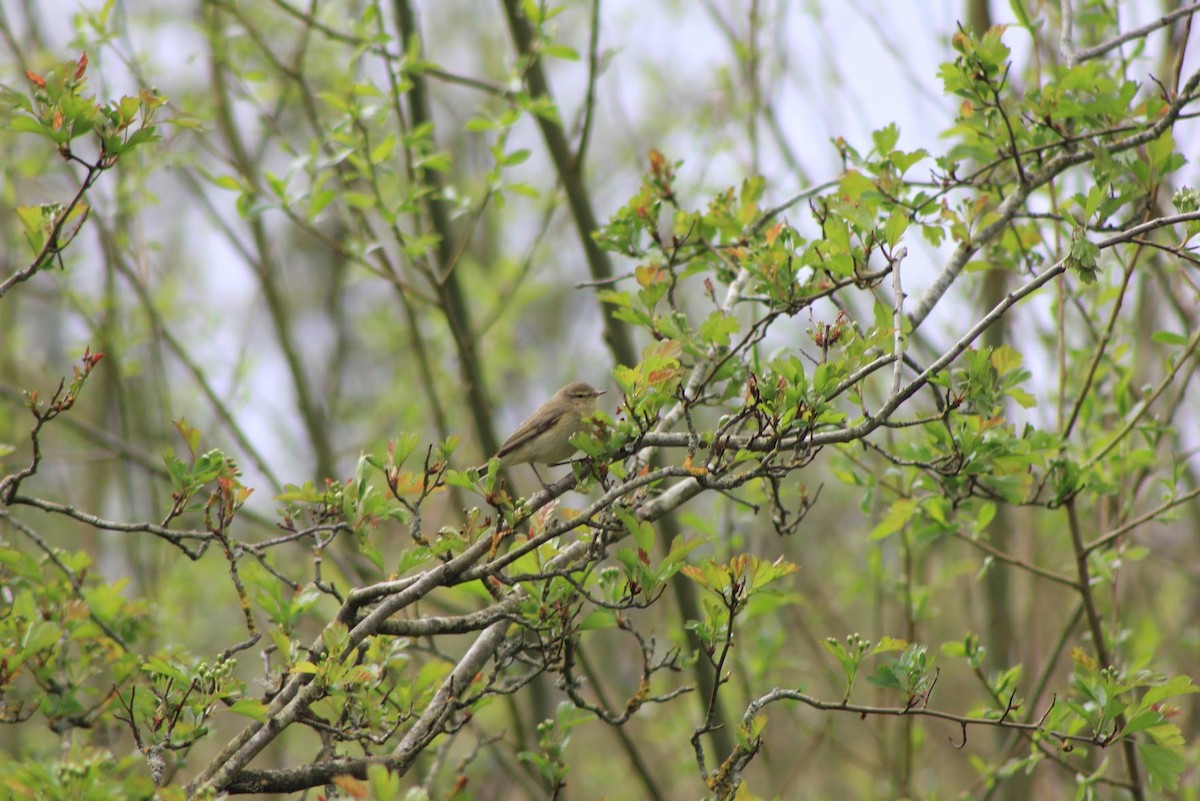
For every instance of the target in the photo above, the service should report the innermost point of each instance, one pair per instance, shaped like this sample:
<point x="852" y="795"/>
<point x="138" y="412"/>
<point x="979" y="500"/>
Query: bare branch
<point x="1130" y="35"/>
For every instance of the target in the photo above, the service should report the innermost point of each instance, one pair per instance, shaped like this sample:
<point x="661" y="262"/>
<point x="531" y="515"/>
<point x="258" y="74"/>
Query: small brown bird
<point x="545" y="436"/>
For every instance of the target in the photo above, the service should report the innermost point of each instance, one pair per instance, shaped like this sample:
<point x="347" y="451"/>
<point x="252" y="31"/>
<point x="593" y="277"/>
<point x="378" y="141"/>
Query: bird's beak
<point x="599" y="392"/>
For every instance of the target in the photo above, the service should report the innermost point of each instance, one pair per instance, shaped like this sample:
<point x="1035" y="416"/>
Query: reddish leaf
<point x="351" y="786"/>
<point x="773" y="233"/>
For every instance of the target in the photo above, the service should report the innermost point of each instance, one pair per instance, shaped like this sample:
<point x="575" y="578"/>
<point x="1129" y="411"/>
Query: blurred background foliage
<point x="359" y="219"/>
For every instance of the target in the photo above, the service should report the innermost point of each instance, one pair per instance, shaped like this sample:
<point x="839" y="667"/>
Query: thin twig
<point x="897" y="319"/>
<point x="1129" y="36"/>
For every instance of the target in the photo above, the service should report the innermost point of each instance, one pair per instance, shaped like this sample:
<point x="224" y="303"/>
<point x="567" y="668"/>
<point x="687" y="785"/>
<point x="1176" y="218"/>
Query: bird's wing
<point x="536" y="424"/>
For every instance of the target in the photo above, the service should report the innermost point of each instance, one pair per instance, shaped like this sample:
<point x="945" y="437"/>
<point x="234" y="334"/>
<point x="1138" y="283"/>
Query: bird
<point x="545" y="436"/>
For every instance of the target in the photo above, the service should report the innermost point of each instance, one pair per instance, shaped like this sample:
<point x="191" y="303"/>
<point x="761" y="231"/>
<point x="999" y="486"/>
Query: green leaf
<point x="191" y="435"/>
<point x="141" y="137"/>
<point x="1160" y="151"/>
<point x="14" y="100"/>
<point x="904" y="161"/>
<point x="156" y="664"/>
<point x="385" y="785"/>
<point x="481" y="125"/>
<point x="404" y="445"/>
<point x="1146" y="719"/>
<point x="1023" y="398"/>
<point x="251" y="708"/>
<point x="884" y="676"/>
<point x="887" y="644"/>
<point x="34" y="220"/>
<point x="320" y="200"/>
<point x="358" y="200"/>
<point x="523" y="189"/>
<point x="516" y="157"/>
<point x="438" y="162"/>
<point x="987" y="513"/>
<point x="718" y="328"/>
<point x="895" y="227"/>
<point x="40" y="635"/>
<point x="599" y="619"/>
<point x="680" y="548"/>
<point x="27" y="125"/>
<point x="336" y="637"/>
<point x="642" y="531"/>
<point x="1164" y="765"/>
<point x="954" y="649"/>
<point x="885" y="139"/>
<point x="854" y="184"/>
<point x="1095" y="197"/>
<point x="1005" y="359"/>
<point x="559" y="51"/>
<point x="1169" y="338"/>
<point x="897" y="518"/>
<point x="225" y="181"/>
<point x="1176" y="686"/>
<point x="383" y="151"/>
